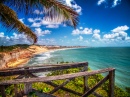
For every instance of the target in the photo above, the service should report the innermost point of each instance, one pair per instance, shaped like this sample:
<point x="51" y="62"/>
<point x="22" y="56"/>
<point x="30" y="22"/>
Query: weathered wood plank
<point x="63" y="88"/>
<point x="49" y="65"/>
<point x="57" y="88"/>
<point x="20" y="77"/>
<point x="96" y="86"/>
<point x="15" y="90"/>
<point x="111" y="83"/>
<point x="2" y="90"/>
<point x="95" y="94"/>
<point x="27" y="88"/>
<point x="85" y="79"/>
<point x="41" y="69"/>
<point x="51" y="78"/>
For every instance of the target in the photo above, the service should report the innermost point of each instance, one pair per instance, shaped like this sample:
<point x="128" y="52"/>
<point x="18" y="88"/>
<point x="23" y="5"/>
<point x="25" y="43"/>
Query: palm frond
<point x="53" y="9"/>
<point x="56" y="9"/>
<point x="10" y="20"/>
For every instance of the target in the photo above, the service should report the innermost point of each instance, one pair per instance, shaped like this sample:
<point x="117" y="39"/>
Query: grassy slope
<point x="10" y="48"/>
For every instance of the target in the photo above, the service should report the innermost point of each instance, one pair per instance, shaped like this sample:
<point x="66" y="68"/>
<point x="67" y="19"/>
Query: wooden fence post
<point x="85" y="79"/>
<point x="111" y="83"/>
<point x="2" y="89"/>
<point x="15" y="90"/>
<point x="27" y="88"/>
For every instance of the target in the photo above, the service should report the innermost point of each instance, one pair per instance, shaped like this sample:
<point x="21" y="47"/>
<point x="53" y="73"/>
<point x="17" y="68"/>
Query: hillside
<point x="18" y="55"/>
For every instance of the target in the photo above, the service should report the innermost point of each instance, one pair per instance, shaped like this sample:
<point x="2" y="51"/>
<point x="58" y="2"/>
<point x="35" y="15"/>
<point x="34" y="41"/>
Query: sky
<point x="102" y="23"/>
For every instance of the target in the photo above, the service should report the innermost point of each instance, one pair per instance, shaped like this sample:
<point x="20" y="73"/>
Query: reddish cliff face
<point x="13" y="56"/>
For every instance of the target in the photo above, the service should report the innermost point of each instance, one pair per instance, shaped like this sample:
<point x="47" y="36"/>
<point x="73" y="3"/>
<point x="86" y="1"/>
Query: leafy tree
<point x="54" y="9"/>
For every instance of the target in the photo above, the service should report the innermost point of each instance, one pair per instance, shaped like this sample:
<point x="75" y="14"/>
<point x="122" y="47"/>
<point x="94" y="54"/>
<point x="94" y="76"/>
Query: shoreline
<point x="30" y="52"/>
<point x="23" y="56"/>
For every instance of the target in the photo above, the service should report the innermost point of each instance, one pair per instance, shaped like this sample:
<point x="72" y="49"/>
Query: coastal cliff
<point x="19" y="56"/>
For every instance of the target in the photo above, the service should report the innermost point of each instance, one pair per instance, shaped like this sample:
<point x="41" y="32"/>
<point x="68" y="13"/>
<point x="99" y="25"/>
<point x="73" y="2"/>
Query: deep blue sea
<point x="97" y="57"/>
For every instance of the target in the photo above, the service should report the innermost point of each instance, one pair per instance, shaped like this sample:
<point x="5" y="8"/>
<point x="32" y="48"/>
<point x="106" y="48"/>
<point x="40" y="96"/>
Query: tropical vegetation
<point x="54" y="9"/>
<point x="76" y="85"/>
<point x="12" y="47"/>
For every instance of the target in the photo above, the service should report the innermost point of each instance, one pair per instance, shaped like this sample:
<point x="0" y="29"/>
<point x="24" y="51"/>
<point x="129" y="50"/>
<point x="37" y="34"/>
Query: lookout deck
<point x="26" y="76"/>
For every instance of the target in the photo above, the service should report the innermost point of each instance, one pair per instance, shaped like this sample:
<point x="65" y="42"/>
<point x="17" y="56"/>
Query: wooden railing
<point x="28" y="72"/>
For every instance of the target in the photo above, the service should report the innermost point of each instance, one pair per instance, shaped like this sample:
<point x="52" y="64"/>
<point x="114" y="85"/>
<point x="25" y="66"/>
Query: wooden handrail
<point x="37" y="69"/>
<point x="58" y="77"/>
<point x="28" y="72"/>
<point x="42" y="65"/>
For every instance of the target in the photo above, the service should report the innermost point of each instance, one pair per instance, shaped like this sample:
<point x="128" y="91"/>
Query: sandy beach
<point x="24" y="58"/>
<point x="20" y="57"/>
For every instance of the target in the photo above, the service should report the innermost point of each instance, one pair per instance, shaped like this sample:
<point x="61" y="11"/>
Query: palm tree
<point x="52" y="8"/>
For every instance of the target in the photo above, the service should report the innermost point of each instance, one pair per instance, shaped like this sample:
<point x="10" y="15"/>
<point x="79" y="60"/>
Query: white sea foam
<point x="44" y="56"/>
<point x="98" y="58"/>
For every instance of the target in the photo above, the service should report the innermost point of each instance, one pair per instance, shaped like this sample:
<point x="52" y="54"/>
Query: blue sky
<point x="101" y="23"/>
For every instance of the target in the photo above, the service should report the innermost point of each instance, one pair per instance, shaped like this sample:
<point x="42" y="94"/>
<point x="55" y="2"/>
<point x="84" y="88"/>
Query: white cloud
<point x="77" y="8"/>
<point x="96" y="31"/>
<point x="37" y="22"/>
<point x="82" y="31"/>
<point x="18" y="36"/>
<point x="116" y="2"/>
<point x="108" y="3"/>
<point x="13" y="39"/>
<point x="115" y="37"/>
<point x="96" y="36"/>
<point x="120" y="28"/>
<point x="1" y="34"/>
<point x="22" y="20"/>
<point x="81" y="28"/>
<point x="30" y="19"/>
<point x="111" y="36"/>
<point x="52" y="26"/>
<point x="76" y="32"/>
<point x="93" y="40"/>
<point x="87" y="31"/>
<point x="118" y="33"/>
<point x="48" y="41"/>
<point x="100" y="2"/>
<point x="80" y="38"/>
<point x="68" y="2"/>
<point x="38" y="12"/>
<point x="128" y="38"/>
<point x="72" y="4"/>
<point x="48" y="21"/>
<point x="39" y="32"/>
<point x="7" y="37"/>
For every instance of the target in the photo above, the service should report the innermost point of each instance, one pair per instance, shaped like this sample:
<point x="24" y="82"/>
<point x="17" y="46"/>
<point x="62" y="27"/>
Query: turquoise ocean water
<point x="98" y="58"/>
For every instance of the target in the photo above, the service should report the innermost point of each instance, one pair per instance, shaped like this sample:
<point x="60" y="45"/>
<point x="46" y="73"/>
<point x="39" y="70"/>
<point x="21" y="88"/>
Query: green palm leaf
<point x="53" y="9"/>
<point x="10" y="20"/>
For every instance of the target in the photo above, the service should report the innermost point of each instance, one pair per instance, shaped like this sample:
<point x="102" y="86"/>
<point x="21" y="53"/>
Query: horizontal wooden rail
<point x="38" y="69"/>
<point x="42" y="65"/>
<point x="58" y="77"/>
